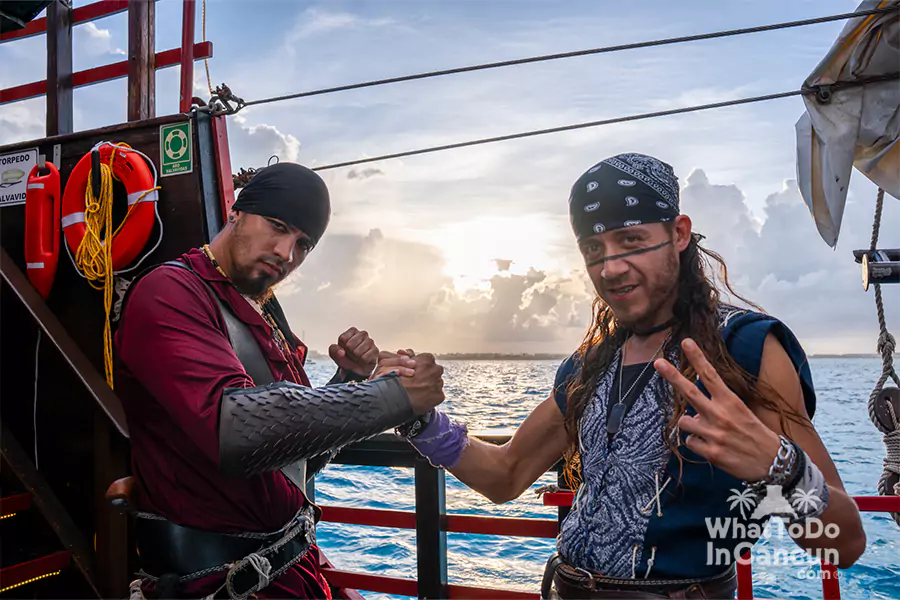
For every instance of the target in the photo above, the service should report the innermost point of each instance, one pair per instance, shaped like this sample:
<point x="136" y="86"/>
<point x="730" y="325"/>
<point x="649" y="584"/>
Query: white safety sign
<point x="14" y="170"/>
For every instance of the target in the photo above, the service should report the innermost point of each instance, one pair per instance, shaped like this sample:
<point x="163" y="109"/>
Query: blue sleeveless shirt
<point x="631" y="517"/>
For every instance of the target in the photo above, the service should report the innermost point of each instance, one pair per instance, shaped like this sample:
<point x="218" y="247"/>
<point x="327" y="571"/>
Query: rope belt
<point x="177" y="555"/>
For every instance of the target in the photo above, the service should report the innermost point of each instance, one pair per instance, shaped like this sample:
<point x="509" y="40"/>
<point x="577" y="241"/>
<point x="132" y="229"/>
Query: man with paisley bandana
<point x="675" y="402"/>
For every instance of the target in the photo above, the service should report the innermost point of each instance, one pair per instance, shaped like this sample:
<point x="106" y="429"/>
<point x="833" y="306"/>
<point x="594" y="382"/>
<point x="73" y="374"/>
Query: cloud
<point x="22" y="121"/>
<point x="396" y="290"/>
<point x="254" y="145"/>
<point x="314" y="22"/>
<point x="783" y="265"/>
<point x="400" y="292"/>
<point x="96" y="41"/>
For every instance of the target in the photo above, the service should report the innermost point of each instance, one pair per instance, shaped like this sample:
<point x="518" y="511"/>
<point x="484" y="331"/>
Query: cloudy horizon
<point x="470" y="250"/>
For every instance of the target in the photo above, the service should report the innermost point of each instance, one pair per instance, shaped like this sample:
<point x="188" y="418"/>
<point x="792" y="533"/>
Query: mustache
<point x="277" y="263"/>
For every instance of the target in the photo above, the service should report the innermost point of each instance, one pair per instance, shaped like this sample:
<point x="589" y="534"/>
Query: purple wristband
<point x="442" y="441"/>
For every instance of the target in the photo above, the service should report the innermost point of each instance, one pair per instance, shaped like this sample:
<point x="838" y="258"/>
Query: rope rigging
<point x="224" y="108"/>
<point x="879" y="397"/>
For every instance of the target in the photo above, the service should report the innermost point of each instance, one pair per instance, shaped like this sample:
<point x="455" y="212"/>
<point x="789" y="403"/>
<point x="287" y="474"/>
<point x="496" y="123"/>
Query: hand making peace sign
<point x="724" y="431"/>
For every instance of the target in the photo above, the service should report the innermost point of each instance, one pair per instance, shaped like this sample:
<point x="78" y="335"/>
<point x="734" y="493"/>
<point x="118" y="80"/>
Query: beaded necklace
<point x="262" y="308"/>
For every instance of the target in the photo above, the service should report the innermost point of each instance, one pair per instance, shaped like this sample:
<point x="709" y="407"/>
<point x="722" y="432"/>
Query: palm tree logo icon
<point x="744" y="499"/>
<point x="804" y="500"/>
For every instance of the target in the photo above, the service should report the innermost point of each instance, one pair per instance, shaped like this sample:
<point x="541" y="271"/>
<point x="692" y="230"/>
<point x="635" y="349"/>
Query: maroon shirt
<point x="173" y="362"/>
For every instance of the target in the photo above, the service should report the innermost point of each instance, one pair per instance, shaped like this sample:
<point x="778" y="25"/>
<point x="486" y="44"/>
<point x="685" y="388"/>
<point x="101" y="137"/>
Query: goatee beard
<point x="258" y="289"/>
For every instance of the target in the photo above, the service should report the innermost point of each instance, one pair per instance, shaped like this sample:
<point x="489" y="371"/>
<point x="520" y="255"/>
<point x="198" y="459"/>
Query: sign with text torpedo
<point x="14" y="170"/>
<point x="176" y="151"/>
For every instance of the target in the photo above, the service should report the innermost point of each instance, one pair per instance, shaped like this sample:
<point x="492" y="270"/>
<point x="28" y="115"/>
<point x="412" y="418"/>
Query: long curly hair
<point x="696" y="316"/>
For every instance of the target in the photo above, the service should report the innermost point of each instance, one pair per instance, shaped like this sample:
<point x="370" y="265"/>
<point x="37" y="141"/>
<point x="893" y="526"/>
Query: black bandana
<point x="623" y="191"/>
<point x="291" y="193"/>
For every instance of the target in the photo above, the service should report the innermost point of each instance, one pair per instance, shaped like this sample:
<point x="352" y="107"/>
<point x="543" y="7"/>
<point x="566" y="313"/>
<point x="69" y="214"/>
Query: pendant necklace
<point x="617" y="415"/>
<point x="261" y="308"/>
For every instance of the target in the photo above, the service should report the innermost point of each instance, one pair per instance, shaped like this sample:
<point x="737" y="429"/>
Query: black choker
<point x="656" y="329"/>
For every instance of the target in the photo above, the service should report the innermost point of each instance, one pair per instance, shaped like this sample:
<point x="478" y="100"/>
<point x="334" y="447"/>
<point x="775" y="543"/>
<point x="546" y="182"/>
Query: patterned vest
<point x="631" y="517"/>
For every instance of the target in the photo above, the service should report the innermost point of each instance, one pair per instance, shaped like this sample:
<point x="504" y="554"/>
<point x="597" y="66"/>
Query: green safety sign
<point x="176" y="151"/>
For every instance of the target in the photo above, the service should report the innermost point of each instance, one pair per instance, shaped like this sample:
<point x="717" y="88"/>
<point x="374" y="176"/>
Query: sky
<point x="470" y="250"/>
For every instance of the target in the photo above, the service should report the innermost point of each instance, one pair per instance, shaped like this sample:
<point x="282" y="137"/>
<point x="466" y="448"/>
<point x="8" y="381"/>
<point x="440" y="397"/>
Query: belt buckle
<point x="591" y="581"/>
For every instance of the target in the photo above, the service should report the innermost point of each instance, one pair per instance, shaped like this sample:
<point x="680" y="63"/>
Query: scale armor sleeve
<point x="267" y="427"/>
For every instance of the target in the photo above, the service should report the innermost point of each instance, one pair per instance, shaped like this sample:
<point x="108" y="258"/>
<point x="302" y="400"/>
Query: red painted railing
<point x="82" y="14"/>
<point x="109" y="72"/>
<point x="11" y="505"/>
<point x="91" y="12"/>
<point x="33" y="570"/>
<point x="543" y="528"/>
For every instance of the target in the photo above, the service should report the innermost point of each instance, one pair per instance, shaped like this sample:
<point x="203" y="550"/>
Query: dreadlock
<point x="696" y="316"/>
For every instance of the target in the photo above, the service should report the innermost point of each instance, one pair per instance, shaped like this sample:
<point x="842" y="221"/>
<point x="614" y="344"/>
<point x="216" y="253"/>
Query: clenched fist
<point x="355" y="351"/>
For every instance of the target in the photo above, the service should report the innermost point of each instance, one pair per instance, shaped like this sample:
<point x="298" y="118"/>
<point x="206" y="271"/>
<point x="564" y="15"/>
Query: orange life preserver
<point x="42" y="227"/>
<point x="131" y="169"/>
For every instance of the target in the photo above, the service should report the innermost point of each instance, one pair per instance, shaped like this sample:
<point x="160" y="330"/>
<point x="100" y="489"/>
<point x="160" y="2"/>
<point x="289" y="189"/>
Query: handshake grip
<point x="268" y="427"/>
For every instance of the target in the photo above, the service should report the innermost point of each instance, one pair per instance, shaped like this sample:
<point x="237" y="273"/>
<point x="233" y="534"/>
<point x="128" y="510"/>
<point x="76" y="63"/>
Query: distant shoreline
<point x="549" y="356"/>
<point x="847" y="355"/>
<point x="498" y="356"/>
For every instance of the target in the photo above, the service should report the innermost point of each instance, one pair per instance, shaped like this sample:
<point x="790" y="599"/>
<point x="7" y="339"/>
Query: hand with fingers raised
<point x="724" y="431"/>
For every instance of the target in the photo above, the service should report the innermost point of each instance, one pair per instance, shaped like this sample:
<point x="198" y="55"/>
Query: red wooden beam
<point x="558" y="498"/>
<point x="831" y="584"/>
<point x="83" y="14"/>
<point x="188" y="14"/>
<point x="745" y="577"/>
<point x="103" y="73"/>
<point x="465" y="592"/>
<point x="372" y="583"/>
<point x="864" y="503"/>
<point x="10" y="505"/>
<point x="409" y="587"/>
<point x="369" y="516"/>
<point x="26" y="572"/>
<point x="542" y="528"/>
<point x="878" y="503"/>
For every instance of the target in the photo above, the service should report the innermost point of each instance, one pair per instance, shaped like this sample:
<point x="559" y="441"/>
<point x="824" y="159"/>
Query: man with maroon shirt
<point x="222" y="416"/>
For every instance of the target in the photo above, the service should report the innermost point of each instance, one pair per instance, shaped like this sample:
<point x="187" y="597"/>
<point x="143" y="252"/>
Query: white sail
<point x="860" y="126"/>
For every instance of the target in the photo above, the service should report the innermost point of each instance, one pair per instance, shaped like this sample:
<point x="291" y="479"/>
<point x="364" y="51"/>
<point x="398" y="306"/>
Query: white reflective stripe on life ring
<point x="150" y="197"/>
<point x="72" y="219"/>
<point x="39" y="265"/>
<point x="35" y="186"/>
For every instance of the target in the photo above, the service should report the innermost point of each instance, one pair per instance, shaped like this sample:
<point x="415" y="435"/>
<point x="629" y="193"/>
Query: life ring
<point x="42" y="227"/>
<point x="131" y="169"/>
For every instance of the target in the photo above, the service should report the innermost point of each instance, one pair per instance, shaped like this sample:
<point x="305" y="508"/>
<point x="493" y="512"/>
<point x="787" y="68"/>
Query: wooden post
<point x="112" y="526"/>
<point x="431" y="530"/>
<point x="59" y="68"/>
<point x="141" y="60"/>
<point x="188" y="16"/>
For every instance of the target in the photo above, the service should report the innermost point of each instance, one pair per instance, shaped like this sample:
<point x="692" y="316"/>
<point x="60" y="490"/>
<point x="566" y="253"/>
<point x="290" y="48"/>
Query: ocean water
<point x="500" y="394"/>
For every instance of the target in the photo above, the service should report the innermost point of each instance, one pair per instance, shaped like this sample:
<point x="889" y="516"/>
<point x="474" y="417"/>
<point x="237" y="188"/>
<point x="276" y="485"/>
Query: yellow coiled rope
<point x="94" y="255"/>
